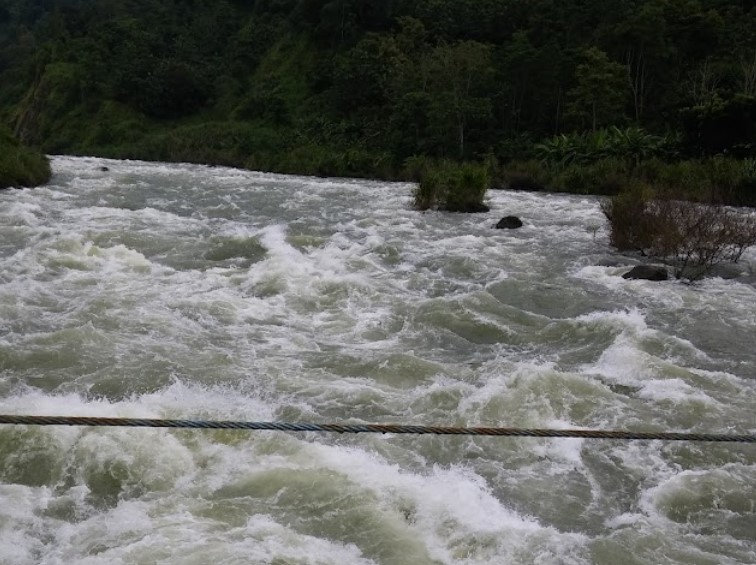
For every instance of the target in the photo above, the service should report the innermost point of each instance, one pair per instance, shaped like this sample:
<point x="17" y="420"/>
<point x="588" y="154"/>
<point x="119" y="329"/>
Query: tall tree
<point x="598" y="96"/>
<point x="519" y="62"/>
<point x="459" y="75"/>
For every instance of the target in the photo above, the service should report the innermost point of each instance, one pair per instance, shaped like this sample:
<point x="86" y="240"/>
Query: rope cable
<point x="343" y="428"/>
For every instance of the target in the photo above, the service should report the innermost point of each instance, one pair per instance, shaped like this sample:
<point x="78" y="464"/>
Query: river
<point x="184" y="291"/>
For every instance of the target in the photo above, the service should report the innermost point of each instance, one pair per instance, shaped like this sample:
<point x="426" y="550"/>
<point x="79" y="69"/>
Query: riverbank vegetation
<point x="452" y="187"/>
<point x="19" y="165"/>
<point x="691" y="237"/>
<point x="588" y="96"/>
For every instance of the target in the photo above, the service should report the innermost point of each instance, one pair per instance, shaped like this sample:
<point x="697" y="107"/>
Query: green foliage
<point x="631" y="144"/>
<point x="744" y="193"/>
<point x="453" y="187"/>
<point x="19" y="165"/>
<point x="722" y="126"/>
<point x="457" y="75"/>
<point x="598" y="96"/>
<point x="54" y="93"/>
<point x="318" y="160"/>
<point x="719" y="180"/>
<point x="355" y="87"/>
<point x="722" y="180"/>
<point x="222" y="143"/>
<point x="525" y="175"/>
<point x="607" y="176"/>
<point x="415" y="168"/>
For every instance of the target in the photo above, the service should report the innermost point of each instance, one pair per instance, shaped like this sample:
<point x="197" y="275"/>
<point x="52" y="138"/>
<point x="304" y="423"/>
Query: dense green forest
<point x="566" y="93"/>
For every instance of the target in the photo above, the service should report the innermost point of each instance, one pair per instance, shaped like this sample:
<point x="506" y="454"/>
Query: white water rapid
<point x="183" y="291"/>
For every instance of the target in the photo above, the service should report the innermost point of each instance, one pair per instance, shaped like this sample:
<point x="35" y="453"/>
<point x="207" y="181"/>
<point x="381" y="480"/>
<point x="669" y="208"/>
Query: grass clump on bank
<point x="19" y="165"/>
<point x="450" y="186"/>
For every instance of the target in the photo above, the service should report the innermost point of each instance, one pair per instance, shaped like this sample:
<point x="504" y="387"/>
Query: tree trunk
<point x="461" y="126"/>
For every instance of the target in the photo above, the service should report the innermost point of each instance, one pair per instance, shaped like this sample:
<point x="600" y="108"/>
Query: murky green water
<point x="155" y="290"/>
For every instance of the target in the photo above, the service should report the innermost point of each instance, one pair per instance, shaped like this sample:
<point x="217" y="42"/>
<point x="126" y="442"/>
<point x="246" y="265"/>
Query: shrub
<point x="607" y="176"/>
<point x="19" y="165"/>
<point x="525" y="175"/>
<point x="744" y="192"/>
<point x="453" y="187"/>
<point x="628" y="221"/>
<point x="690" y="236"/>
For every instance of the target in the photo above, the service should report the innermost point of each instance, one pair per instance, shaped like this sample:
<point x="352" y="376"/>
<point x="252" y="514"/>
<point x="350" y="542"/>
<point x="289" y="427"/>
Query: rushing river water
<point x="180" y="291"/>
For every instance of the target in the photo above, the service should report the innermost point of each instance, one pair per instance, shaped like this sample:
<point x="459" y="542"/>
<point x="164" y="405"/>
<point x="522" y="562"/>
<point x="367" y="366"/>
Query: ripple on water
<point x="182" y="291"/>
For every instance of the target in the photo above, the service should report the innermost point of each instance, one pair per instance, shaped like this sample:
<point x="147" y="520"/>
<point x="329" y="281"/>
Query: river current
<point x="181" y="291"/>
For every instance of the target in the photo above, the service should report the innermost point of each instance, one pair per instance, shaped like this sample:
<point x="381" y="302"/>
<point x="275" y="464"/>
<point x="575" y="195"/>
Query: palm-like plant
<point x="631" y="143"/>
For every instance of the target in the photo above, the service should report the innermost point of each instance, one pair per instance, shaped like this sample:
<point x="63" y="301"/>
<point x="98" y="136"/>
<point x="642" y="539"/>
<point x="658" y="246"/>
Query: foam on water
<point x="183" y="291"/>
<point x="107" y="494"/>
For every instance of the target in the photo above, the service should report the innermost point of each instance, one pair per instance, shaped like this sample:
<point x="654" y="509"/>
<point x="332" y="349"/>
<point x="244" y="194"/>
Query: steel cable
<point x="370" y="428"/>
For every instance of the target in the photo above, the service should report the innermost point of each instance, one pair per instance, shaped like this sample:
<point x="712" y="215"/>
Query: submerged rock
<point x="509" y="223"/>
<point x="647" y="272"/>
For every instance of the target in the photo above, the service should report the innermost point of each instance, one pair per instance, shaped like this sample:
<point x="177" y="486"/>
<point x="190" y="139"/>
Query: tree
<point x="363" y="76"/>
<point x="518" y="65"/>
<point x="721" y="126"/>
<point x="748" y="68"/>
<point x="599" y="93"/>
<point x="642" y="41"/>
<point x="704" y="83"/>
<point x="458" y="75"/>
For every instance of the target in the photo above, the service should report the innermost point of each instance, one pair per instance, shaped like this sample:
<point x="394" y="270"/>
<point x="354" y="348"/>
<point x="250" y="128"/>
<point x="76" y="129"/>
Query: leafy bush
<point x="453" y="187"/>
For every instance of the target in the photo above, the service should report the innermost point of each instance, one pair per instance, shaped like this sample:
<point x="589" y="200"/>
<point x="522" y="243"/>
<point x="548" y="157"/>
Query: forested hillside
<point x="359" y="87"/>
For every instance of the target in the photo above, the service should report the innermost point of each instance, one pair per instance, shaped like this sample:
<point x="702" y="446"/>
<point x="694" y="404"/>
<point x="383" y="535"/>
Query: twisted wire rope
<point x="342" y="428"/>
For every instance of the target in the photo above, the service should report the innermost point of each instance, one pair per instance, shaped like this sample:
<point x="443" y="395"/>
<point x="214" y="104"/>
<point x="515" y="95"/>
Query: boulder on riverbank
<point x="647" y="272"/>
<point x="509" y="223"/>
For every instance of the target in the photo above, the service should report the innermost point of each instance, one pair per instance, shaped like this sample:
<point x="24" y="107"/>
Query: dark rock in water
<point x="647" y="272"/>
<point x="509" y="223"/>
<point x="104" y="169"/>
